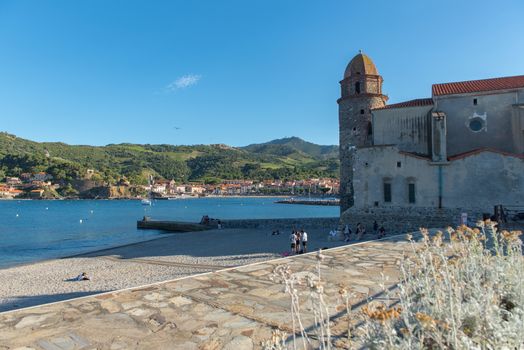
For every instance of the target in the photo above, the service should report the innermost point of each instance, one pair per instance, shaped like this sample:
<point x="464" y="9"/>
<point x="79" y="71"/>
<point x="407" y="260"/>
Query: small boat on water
<point x="147" y="201"/>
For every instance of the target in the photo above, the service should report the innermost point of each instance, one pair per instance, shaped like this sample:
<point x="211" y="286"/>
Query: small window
<point x="361" y="111"/>
<point x="411" y="193"/>
<point x="357" y="87"/>
<point x="387" y="192"/>
<point x="399" y="164"/>
<point x="474" y="101"/>
<point x="376" y="204"/>
<point x="366" y="164"/>
<point x="354" y="129"/>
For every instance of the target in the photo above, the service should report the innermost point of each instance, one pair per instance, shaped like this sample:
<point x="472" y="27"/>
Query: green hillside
<point x="294" y="147"/>
<point x="284" y="159"/>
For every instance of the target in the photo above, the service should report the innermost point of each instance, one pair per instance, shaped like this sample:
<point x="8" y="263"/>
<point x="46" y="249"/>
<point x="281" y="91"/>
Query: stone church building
<point x="460" y="150"/>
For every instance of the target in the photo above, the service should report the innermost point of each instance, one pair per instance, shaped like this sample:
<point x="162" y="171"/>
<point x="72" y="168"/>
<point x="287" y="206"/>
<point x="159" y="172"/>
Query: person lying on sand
<point x="83" y="277"/>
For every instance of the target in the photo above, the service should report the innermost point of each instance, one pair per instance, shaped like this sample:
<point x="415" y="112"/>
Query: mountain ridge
<point x="286" y="158"/>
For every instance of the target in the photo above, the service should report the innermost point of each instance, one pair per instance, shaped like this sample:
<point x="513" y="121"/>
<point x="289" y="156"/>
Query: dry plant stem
<point x="465" y="294"/>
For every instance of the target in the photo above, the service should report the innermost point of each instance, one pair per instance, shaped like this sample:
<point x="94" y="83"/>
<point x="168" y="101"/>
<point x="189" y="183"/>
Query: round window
<point x="476" y="124"/>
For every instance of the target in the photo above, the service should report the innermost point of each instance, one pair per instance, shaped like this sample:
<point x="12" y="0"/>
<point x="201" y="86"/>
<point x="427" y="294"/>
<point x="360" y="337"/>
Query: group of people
<point x="296" y="237"/>
<point x="380" y="232"/>
<point x="206" y="220"/>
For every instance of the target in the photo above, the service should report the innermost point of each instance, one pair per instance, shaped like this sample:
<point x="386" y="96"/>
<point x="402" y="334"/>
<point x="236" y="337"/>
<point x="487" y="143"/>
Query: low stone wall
<point x="280" y="224"/>
<point x="394" y="220"/>
<point x="400" y="220"/>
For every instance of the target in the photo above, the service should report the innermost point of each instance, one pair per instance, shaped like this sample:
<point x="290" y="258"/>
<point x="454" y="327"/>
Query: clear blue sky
<point x="234" y="72"/>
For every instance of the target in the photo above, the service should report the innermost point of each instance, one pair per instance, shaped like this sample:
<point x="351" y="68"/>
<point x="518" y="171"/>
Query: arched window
<point x="357" y="87"/>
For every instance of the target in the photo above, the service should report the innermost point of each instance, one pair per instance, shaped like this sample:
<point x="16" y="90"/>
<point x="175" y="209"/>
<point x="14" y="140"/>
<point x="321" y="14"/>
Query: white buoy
<point x="46" y="208"/>
<point x="81" y="221"/>
<point x="92" y="212"/>
<point x="16" y="215"/>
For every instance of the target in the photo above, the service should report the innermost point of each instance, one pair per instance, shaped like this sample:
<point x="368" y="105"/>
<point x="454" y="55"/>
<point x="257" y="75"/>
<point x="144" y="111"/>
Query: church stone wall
<point x="477" y="182"/>
<point x="517" y="127"/>
<point x="483" y="180"/>
<point x="408" y="128"/>
<point x="376" y="165"/>
<point x="494" y="110"/>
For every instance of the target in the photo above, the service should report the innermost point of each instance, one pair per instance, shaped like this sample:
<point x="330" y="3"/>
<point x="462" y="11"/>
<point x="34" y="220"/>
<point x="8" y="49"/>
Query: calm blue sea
<point x="37" y="230"/>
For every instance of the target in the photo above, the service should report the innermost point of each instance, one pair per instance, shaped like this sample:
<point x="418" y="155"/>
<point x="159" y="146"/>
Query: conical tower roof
<point x="360" y="64"/>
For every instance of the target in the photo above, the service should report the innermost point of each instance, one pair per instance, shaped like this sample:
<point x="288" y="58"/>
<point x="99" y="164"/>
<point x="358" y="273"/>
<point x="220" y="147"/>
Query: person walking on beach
<point x="297" y="242"/>
<point x="347" y="233"/>
<point x="304" y="241"/>
<point x="361" y="231"/>
<point x="381" y="232"/>
<point x="292" y="239"/>
<point x="375" y="227"/>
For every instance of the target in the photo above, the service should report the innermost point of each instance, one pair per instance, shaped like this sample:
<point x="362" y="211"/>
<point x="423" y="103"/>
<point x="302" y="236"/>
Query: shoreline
<point x="83" y="253"/>
<point x="161" y="199"/>
<point x="145" y="262"/>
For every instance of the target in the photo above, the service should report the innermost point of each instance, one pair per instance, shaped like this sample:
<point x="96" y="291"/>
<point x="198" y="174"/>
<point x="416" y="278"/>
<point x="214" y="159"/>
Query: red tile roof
<point x="465" y="87"/>
<point x="412" y="103"/>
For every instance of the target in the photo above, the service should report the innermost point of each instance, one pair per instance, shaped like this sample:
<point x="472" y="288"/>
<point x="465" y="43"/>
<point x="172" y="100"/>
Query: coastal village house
<point x="460" y="150"/>
<point x="13" y="181"/>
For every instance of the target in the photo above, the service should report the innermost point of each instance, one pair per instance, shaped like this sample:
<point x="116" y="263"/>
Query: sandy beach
<point x="173" y="256"/>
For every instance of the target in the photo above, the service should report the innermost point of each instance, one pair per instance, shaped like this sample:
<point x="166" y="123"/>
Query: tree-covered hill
<point x="294" y="147"/>
<point x="284" y="159"/>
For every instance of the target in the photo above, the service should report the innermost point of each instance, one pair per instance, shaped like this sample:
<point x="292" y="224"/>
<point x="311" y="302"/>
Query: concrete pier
<point x="171" y="226"/>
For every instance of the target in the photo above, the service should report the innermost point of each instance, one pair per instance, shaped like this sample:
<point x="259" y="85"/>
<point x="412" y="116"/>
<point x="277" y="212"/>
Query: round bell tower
<point x="361" y="91"/>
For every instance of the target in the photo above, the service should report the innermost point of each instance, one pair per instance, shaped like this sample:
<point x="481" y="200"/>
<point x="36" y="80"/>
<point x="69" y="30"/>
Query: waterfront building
<point x="12" y="181"/>
<point x="462" y="148"/>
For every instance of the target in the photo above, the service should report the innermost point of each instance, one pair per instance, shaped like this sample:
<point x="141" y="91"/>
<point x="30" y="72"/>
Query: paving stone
<point x="110" y="306"/>
<point x="213" y="344"/>
<point x="67" y="342"/>
<point x="252" y="268"/>
<point x="33" y="320"/>
<point x="180" y="301"/>
<point x="261" y="292"/>
<point x="160" y="305"/>
<point x="239" y="322"/>
<point x="190" y="325"/>
<point x="187" y="346"/>
<point x="240" y="342"/>
<point x="204" y="333"/>
<point x="132" y="304"/>
<point x="154" y="297"/>
<point x="139" y="312"/>
<point x="218" y="315"/>
<point x="119" y="345"/>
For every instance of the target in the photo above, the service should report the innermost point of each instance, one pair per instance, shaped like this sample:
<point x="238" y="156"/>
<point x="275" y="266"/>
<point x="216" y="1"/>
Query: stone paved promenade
<point x="231" y="309"/>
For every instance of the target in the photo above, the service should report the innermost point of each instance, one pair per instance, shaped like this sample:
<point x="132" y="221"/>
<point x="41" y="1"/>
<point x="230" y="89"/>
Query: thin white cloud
<point x="184" y="82"/>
